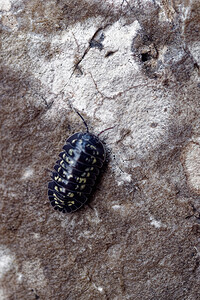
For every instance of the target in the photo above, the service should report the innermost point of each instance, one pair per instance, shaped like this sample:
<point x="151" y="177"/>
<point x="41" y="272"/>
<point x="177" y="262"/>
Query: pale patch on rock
<point x="191" y="161"/>
<point x="58" y="72"/>
<point x="94" y="218"/>
<point x="6" y="260"/>
<point x="19" y="277"/>
<point x="124" y="178"/>
<point x="2" y="186"/>
<point x="121" y="209"/>
<point x="7" y="191"/>
<point x="155" y="223"/>
<point x="36" y="235"/>
<point x="5" y="5"/>
<point x="99" y="288"/>
<point x="115" y="3"/>
<point x="3" y="295"/>
<point x="116" y="207"/>
<point x="106" y="73"/>
<point x="27" y="173"/>
<point x="114" y="252"/>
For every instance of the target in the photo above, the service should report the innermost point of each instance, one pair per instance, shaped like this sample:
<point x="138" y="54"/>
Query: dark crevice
<point x="109" y="53"/>
<point x="94" y="42"/>
<point x="145" y="57"/>
<point x="97" y="39"/>
<point x="48" y="105"/>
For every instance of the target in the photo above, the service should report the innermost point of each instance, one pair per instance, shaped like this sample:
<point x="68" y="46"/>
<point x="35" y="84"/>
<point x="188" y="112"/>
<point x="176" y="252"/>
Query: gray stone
<point x="128" y="64"/>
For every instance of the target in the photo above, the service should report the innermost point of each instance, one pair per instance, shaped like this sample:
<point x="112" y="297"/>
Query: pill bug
<point x="75" y="173"/>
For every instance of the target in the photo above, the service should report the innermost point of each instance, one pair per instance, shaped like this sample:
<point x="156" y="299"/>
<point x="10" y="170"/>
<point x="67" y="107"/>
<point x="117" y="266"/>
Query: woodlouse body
<point x="76" y="172"/>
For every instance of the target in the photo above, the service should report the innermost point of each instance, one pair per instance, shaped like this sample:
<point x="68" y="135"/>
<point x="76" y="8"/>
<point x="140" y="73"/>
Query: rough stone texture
<point x="132" y="64"/>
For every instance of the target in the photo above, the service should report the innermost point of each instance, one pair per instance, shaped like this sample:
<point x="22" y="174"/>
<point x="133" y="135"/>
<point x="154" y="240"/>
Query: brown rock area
<point x="129" y="64"/>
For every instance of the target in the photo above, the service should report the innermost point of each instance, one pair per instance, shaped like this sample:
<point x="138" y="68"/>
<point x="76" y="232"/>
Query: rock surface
<point x="129" y="64"/>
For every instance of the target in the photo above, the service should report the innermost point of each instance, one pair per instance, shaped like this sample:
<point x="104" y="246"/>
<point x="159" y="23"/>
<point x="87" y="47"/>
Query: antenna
<point x="79" y="116"/>
<point x="82" y="119"/>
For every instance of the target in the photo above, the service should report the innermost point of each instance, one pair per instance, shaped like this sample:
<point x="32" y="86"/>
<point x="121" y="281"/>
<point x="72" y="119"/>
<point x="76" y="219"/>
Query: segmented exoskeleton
<point x="75" y="174"/>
